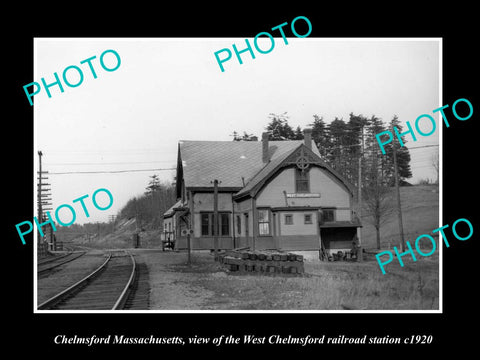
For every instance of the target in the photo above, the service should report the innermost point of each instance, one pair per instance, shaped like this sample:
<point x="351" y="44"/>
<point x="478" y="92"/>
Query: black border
<point x="455" y="25"/>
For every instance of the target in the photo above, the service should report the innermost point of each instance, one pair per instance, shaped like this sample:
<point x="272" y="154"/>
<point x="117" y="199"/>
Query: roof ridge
<point x="278" y="160"/>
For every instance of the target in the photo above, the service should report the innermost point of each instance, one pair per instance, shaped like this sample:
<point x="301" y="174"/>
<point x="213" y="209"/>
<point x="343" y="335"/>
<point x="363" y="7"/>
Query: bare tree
<point x="378" y="203"/>
<point x="377" y="206"/>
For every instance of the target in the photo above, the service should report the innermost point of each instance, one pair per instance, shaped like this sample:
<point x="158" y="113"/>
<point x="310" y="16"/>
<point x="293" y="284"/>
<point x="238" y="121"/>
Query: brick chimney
<point x="307" y="136"/>
<point x="265" y="152"/>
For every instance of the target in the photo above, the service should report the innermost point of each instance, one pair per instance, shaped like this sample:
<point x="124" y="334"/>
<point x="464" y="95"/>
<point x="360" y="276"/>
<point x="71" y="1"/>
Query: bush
<point x="425" y="182"/>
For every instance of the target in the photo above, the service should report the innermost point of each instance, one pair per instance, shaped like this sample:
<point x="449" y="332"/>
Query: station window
<point x="302" y="181"/>
<point x="263" y="222"/>
<point x="308" y="219"/>
<point x="207" y="224"/>
<point x="288" y="219"/>
<point x="328" y="215"/>
<point x="239" y="225"/>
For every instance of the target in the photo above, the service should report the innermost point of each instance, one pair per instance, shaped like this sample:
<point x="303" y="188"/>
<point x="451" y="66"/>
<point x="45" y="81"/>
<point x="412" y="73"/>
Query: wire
<point x="108" y="172"/>
<point x="419" y="147"/>
<point x="111" y="163"/>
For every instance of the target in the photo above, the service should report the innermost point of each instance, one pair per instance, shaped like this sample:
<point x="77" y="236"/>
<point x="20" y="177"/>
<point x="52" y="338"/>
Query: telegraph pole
<point x="39" y="202"/>
<point x="399" y="204"/>
<point x="359" y="214"/>
<point x="39" y="187"/>
<point x="43" y="200"/>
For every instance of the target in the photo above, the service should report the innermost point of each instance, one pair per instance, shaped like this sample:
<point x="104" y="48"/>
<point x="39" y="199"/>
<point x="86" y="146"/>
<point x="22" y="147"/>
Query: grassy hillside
<point x="122" y="236"/>
<point x="420" y="212"/>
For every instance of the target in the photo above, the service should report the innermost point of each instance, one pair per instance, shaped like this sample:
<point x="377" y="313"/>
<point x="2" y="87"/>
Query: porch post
<point x="254" y="222"/>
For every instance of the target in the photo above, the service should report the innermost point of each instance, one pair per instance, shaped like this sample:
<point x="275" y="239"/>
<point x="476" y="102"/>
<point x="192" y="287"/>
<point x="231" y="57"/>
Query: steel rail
<point x="59" y="297"/>
<point x="128" y="288"/>
<point x="53" y="258"/>
<point x="41" y="271"/>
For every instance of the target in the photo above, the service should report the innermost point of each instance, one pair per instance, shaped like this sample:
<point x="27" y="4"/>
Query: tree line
<point x="342" y="143"/>
<point x="148" y="209"/>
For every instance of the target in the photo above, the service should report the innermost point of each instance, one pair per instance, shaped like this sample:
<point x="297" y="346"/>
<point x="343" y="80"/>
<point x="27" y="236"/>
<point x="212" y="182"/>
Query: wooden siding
<point x="298" y="227"/>
<point x="264" y="243"/>
<point x="205" y="243"/>
<point x="343" y="215"/>
<point x="204" y="202"/>
<point x="261" y="243"/>
<point x="332" y="192"/>
<point x="299" y="242"/>
<point x="243" y="206"/>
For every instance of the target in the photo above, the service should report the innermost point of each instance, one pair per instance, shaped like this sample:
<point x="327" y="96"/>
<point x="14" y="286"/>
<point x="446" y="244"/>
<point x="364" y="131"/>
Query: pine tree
<point x="354" y="145"/>
<point x="279" y="128"/>
<point x="372" y="155"/>
<point x="403" y="155"/>
<point x="320" y="134"/>
<point x="153" y="185"/>
<point x="298" y="133"/>
<point x="244" y="137"/>
<point x="336" y="155"/>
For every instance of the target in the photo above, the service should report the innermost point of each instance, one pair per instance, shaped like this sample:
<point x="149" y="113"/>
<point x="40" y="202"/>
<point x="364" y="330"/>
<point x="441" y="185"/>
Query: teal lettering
<point x="119" y="61"/>
<point x="410" y="131"/>
<point x="455" y="111"/>
<point x="293" y="27"/>
<point x="89" y="62"/>
<point x="255" y="43"/>
<point x="443" y="114"/>
<point x="432" y="120"/>
<point x="220" y="62"/>
<point x="25" y="232"/>
<point x="57" y="82"/>
<point x="432" y="240"/>
<point x="409" y="251"/>
<point x="381" y="264"/>
<point x="65" y="76"/>
<point x="279" y="27"/>
<point x="29" y="96"/>
<point x="83" y="204"/>
<point x="49" y="221"/>
<point x="248" y="48"/>
<point x="380" y="143"/>
<point x="74" y="216"/>
<point x="440" y="229"/>
<point x="470" y="226"/>
<point x="95" y="201"/>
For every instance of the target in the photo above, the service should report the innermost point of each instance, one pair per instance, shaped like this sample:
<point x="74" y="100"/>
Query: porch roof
<point x="340" y="224"/>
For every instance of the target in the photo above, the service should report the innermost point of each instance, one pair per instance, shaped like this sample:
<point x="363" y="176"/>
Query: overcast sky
<point x="166" y="90"/>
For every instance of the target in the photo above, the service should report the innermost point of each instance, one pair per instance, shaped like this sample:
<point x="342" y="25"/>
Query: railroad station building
<point x="270" y="195"/>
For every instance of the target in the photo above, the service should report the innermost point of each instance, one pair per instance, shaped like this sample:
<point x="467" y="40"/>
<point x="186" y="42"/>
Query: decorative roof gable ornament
<point x="302" y="163"/>
<point x="302" y="158"/>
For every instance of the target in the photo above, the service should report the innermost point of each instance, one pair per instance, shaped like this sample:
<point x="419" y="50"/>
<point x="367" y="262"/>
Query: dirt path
<point x="170" y="287"/>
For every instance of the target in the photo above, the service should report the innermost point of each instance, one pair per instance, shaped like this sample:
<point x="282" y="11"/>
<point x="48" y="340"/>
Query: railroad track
<point x="106" y="288"/>
<point x="48" y="265"/>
